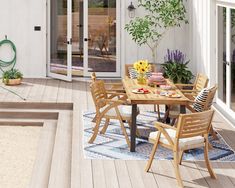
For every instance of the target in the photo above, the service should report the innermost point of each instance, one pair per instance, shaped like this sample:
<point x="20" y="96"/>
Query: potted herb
<point x="175" y="67"/>
<point x="12" y="77"/>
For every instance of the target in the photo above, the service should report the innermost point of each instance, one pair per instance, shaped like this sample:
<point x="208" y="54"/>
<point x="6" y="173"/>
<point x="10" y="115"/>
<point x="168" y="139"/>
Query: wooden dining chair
<point x="192" y="90"/>
<point x="202" y="102"/>
<point x="109" y="105"/>
<point x="191" y="132"/>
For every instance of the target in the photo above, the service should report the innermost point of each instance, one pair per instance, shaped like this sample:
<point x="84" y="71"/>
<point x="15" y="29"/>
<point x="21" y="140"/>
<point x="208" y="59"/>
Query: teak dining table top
<point x="152" y="97"/>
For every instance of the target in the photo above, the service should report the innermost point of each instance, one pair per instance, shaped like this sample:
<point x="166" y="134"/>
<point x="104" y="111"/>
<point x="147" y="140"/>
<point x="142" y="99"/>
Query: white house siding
<point x="18" y="18"/>
<point x="17" y="21"/>
<point x="202" y="37"/>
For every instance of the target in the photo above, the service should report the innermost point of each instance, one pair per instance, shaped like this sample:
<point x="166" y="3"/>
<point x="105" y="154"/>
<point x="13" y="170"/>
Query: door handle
<point x="70" y="41"/>
<point x="226" y="63"/>
<point x="87" y="39"/>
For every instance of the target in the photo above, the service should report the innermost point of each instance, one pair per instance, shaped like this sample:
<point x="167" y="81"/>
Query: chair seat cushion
<point x="174" y="111"/>
<point x="125" y="111"/>
<point x="183" y="142"/>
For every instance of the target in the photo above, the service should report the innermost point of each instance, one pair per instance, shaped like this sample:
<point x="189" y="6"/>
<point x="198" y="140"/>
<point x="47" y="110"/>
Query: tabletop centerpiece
<point x="142" y="67"/>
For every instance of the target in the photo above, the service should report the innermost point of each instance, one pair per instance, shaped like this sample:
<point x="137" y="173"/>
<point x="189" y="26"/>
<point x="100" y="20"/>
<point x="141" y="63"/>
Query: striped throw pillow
<point x="201" y="98"/>
<point x="133" y="73"/>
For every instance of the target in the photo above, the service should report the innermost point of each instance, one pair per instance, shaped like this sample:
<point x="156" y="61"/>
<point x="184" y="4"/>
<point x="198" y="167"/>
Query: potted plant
<point x="175" y="67"/>
<point x="161" y="16"/>
<point x="12" y="77"/>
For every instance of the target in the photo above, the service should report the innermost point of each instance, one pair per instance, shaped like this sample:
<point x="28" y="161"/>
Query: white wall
<point x="18" y="18"/>
<point x="176" y="38"/>
<point x="202" y="33"/>
<point x="17" y="21"/>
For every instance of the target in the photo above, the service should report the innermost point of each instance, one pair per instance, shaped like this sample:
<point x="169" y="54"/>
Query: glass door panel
<point x="232" y="55"/>
<point x="77" y="37"/>
<point x="222" y="53"/>
<point x="59" y="65"/>
<point x="226" y="58"/>
<point x="101" y="37"/>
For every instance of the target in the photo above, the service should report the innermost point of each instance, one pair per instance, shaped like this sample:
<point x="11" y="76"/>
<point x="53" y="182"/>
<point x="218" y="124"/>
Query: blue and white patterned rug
<point x="112" y="145"/>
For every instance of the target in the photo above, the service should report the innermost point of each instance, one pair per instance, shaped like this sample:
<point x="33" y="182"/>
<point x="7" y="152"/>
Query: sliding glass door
<point x="83" y="38"/>
<point x="226" y="57"/>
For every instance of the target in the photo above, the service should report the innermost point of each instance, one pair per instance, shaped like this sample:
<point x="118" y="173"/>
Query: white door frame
<point x="226" y="106"/>
<point x="67" y="77"/>
<point x="118" y="44"/>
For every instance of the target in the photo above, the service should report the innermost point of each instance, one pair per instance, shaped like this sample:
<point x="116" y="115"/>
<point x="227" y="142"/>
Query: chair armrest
<point x="163" y="125"/>
<point x="120" y="96"/>
<point x="114" y="84"/>
<point x="183" y="85"/>
<point x="115" y="93"/>
<point x="189" y="91"/>
<point x="190" y="101"/>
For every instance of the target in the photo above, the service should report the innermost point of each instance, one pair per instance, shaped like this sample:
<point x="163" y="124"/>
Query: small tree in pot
<point x="161" y="15"/>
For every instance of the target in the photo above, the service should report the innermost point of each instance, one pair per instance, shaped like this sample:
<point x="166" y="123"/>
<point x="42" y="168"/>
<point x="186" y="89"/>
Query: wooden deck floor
<point x="120" y="173"/>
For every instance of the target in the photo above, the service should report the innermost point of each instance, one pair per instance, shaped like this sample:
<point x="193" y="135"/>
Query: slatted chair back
<point x="200" y="82"/>
<point x="128" y="66"/>
<point x="195" y="124"/>
<point x="98" y="93"/>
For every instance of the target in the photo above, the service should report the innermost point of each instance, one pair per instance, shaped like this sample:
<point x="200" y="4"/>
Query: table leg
<point x="168" y="120"/>
<point x="133" y="127"/>
<point x="182" y="109"/>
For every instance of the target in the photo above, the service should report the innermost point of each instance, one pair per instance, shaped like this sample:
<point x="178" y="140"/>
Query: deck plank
<point x="60" y="176"/>
<point x="42" y="166"/>
<point x="86" y="173"/>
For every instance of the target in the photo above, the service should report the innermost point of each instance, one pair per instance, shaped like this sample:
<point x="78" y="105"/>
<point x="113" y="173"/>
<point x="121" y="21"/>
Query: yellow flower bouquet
<point x="141" y="67"/>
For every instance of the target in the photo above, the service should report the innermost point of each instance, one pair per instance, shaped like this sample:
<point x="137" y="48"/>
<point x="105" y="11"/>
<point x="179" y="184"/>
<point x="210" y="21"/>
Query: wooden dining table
<point x="153" y="97"/>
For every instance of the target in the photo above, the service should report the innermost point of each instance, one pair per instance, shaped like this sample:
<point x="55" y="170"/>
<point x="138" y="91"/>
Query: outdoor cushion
<point x="201" y="97"/>
<point x="133" y="73"/>
<point x="183" y="142"/>
<point x="125" y="111"/>
<point x="174" y="111"/>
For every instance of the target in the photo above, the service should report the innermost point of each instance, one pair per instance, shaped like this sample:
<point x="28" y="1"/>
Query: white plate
<point x="174" y="96"/>
<point x="136" y="91"/>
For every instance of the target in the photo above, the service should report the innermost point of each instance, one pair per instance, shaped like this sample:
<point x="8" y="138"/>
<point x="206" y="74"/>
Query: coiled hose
<point x="4" y="64"/>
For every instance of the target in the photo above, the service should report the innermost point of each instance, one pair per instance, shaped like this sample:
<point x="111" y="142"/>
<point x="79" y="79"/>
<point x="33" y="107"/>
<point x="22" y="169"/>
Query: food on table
<point x="141" y="90"/>
<point x="166" y="87"/>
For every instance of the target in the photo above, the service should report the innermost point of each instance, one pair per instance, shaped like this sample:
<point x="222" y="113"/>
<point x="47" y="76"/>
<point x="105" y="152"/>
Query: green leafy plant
<point x="11" y="74"/>
<point x="161" y="15"/>
<point x="175" y="67"/>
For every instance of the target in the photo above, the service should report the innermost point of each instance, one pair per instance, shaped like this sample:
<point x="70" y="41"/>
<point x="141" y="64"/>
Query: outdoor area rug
<point x="112" y="145"/>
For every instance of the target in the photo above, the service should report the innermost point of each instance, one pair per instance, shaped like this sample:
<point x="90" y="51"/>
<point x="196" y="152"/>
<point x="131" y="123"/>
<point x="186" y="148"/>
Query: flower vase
<point x="141" y="78"/>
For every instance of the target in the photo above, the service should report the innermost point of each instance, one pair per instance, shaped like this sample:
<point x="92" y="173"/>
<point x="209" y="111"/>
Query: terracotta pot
<point x="12" y="82"/>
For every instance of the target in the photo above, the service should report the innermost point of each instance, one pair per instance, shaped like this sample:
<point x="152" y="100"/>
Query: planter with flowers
<point x="142" y="67"/>
<point x="176" y="68"/>
<point x="12" y="77"/>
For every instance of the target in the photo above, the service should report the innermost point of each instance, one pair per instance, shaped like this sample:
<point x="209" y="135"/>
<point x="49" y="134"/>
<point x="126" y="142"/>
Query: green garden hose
<point x="5" y="64"/>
